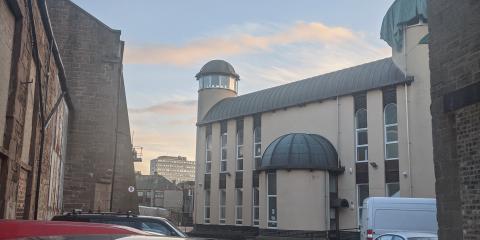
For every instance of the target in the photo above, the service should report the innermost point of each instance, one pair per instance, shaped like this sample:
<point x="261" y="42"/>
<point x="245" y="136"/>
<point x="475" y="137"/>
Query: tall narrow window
<point x="207" y="207"/>
<point x="272" y="199"/>
<point x="391" y="131"/>
<point x="223" y="199"/>
<point x="223" y="147"/>
<point x="239" y="166"/>
<point x="238" y="206"/>
<point x="393" y="189"/>
<point x="257" y="141"/>
<point x="256" y="206"/>
<point x="208" y="154"/>
<point x="362" y="194"/>
<point x="361" y="135"/>
<point x="332" y="181"/>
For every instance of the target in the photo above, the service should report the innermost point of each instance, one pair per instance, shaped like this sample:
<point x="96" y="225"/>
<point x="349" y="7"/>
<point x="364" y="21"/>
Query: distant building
<point x="303" y="156"/>
<point x="176" y="169"/>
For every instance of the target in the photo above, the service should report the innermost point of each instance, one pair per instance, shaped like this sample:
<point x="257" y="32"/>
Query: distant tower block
<point x="217" y="80"/>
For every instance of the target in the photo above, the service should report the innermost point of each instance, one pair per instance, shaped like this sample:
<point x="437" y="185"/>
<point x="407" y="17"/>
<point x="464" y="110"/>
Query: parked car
<point x="408" y="236"/>
<point x="11" y="229"/>
<point x="382" y="215"/>
<point x="156" y="225"/>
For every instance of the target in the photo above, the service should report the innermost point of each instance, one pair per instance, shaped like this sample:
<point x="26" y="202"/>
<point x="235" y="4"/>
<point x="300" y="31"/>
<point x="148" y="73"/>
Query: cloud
<point x="169" y="107"/>
<point x="236" y="44"/>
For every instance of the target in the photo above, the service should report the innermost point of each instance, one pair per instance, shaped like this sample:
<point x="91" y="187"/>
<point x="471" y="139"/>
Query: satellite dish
<point x="131" y="189"/>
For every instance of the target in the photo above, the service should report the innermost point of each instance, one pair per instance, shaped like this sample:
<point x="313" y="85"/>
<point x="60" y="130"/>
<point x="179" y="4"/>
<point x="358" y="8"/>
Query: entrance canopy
<point x="300" y="151"/>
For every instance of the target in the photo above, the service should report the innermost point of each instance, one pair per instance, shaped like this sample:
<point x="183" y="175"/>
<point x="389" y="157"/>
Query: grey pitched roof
<point x="300" y="151"/>
<point x="217" y="67"/>
<point x="373" y="75"/>
<point x="158" y="182"/>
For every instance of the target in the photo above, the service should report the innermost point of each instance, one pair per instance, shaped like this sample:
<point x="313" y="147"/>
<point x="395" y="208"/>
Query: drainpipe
<point x="408" y="142"/>
<point x="36" y="58"/>
<point x="338" y="132"/>
<point x="409" y="158"/>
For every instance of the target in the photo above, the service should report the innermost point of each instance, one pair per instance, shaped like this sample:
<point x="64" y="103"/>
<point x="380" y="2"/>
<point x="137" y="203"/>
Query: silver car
<point x="407" y="236"/>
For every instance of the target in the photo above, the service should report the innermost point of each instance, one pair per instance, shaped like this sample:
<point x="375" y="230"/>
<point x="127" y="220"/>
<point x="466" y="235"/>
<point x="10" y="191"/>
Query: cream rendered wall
<point x="419" y="180"/>
<point x="403" y="135"/>
<point x="318" y="118"/>
<point x="210" y="96"/>
<point x="315" y="118"/>
<point x="301" y="197"/>
<point x="346" y="154"/>
<point x="376" y="176"/>
<point x="199" y="175"/>
<point x="422" y="169"/>
<point x="231" y="167"/>
<point x="262" y="188"/>
<point x="247" y="170"/>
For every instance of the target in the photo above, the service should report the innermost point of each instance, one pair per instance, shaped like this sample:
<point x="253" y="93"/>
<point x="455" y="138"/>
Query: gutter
<point x="38" y="80"/>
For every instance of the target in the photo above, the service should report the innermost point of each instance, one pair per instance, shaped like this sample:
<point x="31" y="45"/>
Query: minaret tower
<point x="217" y="80"/>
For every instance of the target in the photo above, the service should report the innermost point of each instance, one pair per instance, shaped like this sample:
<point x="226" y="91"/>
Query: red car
<point x="28" y="228"/>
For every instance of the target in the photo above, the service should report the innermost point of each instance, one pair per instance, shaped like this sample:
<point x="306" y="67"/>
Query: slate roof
<point x="373" y="75"/>
<point x="300" y="151"/>
<point x="157" y="182"/>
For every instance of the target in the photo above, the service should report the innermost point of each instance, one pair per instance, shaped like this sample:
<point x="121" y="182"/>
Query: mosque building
<point x="303" y="156"/>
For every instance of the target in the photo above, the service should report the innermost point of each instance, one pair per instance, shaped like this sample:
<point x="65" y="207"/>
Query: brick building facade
<point x="34" y="112"/>
<point x="455" y="90"/>
<point x="99" y="147"/>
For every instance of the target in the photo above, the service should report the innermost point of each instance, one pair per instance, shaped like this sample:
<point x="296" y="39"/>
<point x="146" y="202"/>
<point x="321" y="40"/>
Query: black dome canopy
<point x="217" y="67"/>
<point x="300" y="151"/>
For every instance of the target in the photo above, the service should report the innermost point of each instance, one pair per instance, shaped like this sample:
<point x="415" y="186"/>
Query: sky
<point x="268" y="42"/>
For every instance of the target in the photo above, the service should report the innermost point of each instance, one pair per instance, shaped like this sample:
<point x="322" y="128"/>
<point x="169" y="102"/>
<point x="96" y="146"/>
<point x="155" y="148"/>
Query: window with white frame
<point x="238" y="206"/>
<point x="223" y="152"/>
<point x="391" y="131"/>
<point x="393" y="189"/>
<point x="362" y="194"/>
<point x="207" y="207"/>
<point x="256" y="206"/>
<point x="239" y="166"/>
<point x="257" y="146"/>
<point x="361" y="136"/>
<point x="272" y="214"/>
<point x="208" y="154"/>
<point x="223" y="199"/>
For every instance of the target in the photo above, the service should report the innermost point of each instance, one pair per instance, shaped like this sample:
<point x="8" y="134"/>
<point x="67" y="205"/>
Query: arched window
<point x="391" y="131"/>
<point x="361" y="136"/>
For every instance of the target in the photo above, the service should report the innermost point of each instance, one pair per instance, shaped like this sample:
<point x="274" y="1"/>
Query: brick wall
<point x="99" y="131"/>
<point x="27" y="182"/>
<point x="455" y="70"/>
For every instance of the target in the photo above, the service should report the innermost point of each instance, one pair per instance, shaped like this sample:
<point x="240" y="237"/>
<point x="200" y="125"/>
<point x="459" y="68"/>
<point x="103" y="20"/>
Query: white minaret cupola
<point x="217" y="80"/>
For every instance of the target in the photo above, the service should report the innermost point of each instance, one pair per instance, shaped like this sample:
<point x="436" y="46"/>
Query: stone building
<point x="176" y="169"/>
<point x="99" y="147"/>
<point x="34" y="113"/>
<point x="455" y="78"/>
<point x="300" y="158"/>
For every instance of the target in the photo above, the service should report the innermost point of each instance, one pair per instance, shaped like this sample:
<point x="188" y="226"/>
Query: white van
<point x="389" y="214"/>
